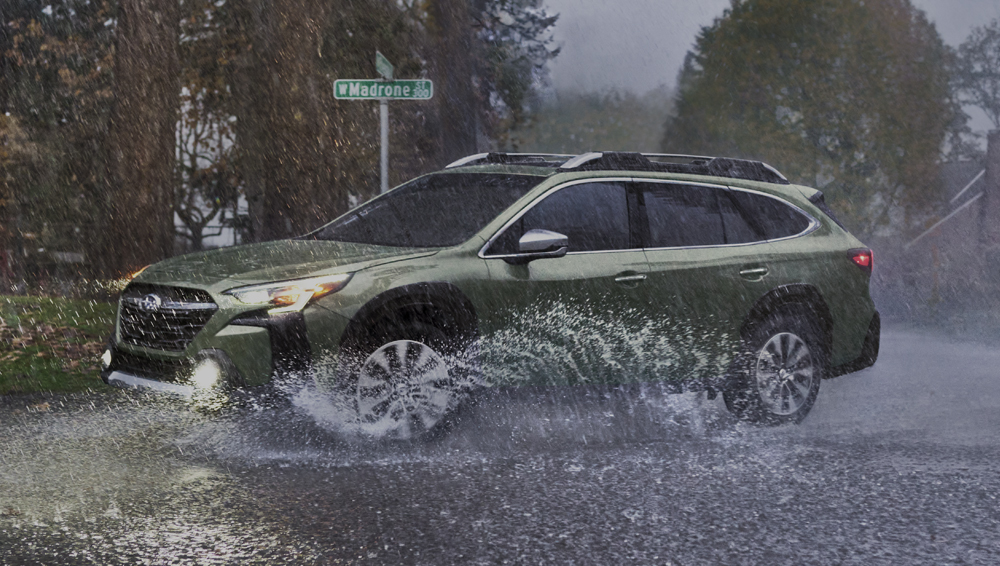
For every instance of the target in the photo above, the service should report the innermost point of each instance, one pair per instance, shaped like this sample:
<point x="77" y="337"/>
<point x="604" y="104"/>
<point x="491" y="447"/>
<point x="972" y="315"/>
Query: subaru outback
<point x="697" y="273"/>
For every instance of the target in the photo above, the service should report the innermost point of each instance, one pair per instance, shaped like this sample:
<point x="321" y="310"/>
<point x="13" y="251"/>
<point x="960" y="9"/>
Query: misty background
<point x="133" y="130"/>
<point x="639" y="45"/>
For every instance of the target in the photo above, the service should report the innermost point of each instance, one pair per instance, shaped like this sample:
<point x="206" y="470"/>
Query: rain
<point x="223" y="342"/>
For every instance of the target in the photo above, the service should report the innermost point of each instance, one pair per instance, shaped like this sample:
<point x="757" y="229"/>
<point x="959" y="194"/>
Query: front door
<point x="570" y="319"/>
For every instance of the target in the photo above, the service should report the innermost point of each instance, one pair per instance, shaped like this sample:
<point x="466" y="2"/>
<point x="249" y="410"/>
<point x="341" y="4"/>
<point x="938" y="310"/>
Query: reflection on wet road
<point x="896" y="465"/>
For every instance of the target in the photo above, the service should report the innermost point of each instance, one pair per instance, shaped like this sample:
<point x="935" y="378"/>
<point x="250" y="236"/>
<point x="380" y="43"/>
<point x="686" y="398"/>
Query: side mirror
<point x="539" y="244"/>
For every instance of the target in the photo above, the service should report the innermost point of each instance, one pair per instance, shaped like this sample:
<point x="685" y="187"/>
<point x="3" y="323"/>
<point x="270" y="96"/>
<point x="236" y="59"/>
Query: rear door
<point x="568" y="319"/>
<point x="707" y="267"/>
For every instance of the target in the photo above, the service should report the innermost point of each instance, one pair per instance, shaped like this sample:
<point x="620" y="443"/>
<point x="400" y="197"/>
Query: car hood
<point x="224" y="268"/>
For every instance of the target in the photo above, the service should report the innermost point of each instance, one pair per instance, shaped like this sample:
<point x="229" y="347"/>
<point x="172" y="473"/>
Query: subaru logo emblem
<point x="150" y="303"/>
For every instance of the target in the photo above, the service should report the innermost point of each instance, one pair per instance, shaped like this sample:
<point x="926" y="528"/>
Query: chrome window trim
<point x="814" y="224"/>
<point x="540" y="198"/>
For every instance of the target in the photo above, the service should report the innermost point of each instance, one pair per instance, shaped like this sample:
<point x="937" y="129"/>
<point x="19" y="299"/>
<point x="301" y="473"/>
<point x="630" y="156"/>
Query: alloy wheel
<point x="785" y="370"/>
<point x="403" y="390"/>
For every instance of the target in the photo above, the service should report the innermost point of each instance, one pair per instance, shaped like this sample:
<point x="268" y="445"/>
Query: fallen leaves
<point x="30" y="339"/>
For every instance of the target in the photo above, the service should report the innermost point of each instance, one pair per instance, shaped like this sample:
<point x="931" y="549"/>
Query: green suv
<point x="693" y="272"/>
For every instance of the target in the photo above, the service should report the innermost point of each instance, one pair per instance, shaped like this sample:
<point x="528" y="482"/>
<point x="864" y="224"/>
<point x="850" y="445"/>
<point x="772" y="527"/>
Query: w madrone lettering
<point x="375" y="90"/>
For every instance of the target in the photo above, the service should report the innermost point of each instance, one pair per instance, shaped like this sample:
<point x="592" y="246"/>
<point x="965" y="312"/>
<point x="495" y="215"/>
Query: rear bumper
<point x="869" y="350"/>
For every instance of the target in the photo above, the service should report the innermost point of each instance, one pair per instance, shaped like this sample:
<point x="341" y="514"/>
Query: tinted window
<point x="433" y="211"/>
<point x="594" y="216"/>
<point x="738" y="230"/>
<point x="682" y="215"/>
<point x="769" y="216"/>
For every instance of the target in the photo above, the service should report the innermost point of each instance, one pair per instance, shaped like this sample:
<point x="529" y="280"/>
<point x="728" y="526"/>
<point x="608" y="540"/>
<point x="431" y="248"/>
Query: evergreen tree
<point x="846" y="95"/>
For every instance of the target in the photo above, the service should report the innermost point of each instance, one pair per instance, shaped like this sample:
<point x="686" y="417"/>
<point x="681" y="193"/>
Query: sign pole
<point x="383" y="90"/>
<point x="384" y="67"/>
<point x="383" y="110"/>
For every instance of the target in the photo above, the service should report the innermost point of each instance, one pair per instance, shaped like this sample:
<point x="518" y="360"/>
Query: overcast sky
<point x="640" y="44"/>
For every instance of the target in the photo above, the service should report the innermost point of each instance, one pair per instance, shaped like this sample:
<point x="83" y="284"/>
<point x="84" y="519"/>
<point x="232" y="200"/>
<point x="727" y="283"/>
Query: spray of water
<point x="558" y="353"/>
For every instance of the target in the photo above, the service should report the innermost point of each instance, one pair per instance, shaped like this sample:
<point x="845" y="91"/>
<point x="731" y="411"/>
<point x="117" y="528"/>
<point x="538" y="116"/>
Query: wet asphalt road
<point x="899" y="464"/>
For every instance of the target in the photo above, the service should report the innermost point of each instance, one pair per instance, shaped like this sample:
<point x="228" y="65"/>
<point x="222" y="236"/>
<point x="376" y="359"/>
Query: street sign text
<point x="406" y="89"/>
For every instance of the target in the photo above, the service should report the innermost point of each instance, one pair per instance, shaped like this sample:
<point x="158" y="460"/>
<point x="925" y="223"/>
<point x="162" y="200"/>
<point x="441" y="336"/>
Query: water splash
<point x="563" y="343"/>
<point x="558" y="346"/>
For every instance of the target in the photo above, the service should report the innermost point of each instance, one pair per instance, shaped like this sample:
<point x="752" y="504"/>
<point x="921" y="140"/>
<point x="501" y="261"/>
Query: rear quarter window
<point x="770" y="217"/>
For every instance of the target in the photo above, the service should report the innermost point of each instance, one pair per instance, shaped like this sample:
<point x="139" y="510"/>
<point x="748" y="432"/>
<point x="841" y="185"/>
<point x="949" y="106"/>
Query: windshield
<point x="430" y="212"/>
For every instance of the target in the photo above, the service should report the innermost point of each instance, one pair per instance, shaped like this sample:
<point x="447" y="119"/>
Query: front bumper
<point x="129" y="381"/>
<point x="253" y="348"/>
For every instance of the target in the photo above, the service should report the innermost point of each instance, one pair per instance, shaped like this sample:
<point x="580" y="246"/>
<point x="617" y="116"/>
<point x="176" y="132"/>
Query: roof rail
<point x="631" y="161"/>
<point x="696" y="165"/>
<point x="581" y="159"/>
<point x="680" y="156"/>
<point x="509" y="158"/>
<point x="467" y="160"/>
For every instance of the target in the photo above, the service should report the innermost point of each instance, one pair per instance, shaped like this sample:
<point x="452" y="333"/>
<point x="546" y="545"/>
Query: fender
<point x="795" y="294"/>
<point x="439" y="302"/>
<point x="800" y="294"/>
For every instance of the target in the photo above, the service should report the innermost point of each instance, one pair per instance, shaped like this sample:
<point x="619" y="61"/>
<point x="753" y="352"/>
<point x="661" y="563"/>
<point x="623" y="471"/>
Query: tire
<point x="783" y="362"/>
<point x="408" y="382"/>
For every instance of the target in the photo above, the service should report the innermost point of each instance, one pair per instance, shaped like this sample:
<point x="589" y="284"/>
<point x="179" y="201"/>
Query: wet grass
<point x="52" y="344"/>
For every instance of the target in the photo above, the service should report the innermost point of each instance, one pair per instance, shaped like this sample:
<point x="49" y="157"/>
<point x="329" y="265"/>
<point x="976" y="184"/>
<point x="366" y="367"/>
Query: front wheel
<point x="783" y="364"/>
<point x="410" y="381"/>
<point x="404" y="390"/>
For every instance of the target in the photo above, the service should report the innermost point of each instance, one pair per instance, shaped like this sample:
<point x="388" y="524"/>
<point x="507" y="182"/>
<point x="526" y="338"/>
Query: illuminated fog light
<point x="106" y="359"/>
<point x="206" y="374"/>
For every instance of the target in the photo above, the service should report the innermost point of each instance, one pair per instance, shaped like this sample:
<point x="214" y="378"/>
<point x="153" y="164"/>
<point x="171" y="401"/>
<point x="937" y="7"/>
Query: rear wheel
<point x="782" y="367"/>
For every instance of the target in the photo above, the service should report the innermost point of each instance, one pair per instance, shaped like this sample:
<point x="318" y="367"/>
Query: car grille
<point x="163" y="318"/>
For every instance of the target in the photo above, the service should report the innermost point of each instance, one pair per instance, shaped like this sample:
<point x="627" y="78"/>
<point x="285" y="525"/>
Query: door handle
<point x="630" y="278"/>
<point x="753" y="272"/>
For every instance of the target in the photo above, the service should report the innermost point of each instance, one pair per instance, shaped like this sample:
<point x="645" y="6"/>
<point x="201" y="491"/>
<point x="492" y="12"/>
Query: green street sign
<point x="383" y="66"/>
<point x="366" y="89"/>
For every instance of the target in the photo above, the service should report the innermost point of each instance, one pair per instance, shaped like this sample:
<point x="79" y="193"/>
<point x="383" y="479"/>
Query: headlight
<point x="135" y="274"/>
<point x="290" y="296"/>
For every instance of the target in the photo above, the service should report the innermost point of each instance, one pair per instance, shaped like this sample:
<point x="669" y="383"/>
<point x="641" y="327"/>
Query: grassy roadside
<point x="52" y="344"/>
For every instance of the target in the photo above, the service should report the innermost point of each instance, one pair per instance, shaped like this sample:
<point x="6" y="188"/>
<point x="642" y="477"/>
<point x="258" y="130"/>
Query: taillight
<point x="863" y="258"/>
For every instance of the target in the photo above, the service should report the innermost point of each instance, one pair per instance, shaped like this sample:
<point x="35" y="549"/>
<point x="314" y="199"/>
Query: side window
<point x="594" y="216"/>
<point x="738" y="230"/>
<point x="769" y="216"/>
<point x="682" y="215"/>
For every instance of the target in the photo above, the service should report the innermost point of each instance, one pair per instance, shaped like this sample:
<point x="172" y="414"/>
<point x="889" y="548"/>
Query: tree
<point x="17" y="154"/>
<point x="303" y="157"/>
<point x="515" y="43"/>
<point x="978" y="70"/>
<point x="847" y="95"/>
<point x="206" y="186"/>
<point x="55" y="78"/>
<point x="141" y="138"/>
<point x="576" y="123"/>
